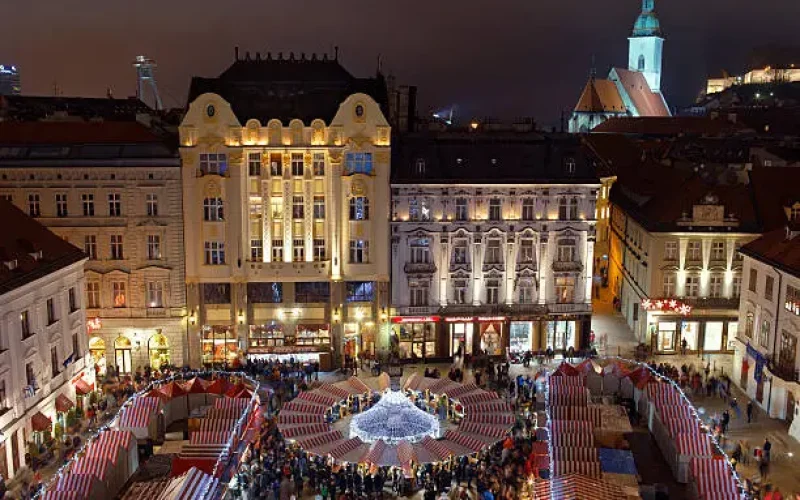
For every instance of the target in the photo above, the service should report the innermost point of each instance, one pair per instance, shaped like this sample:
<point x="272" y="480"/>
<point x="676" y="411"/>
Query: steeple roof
<point x="647" y="23"/>
<point x="600" y="96"/>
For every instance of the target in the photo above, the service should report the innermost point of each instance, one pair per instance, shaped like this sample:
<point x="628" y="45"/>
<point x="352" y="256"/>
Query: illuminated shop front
<point x="561" y="334"/>
<point x="521" y="334"/>
<point x="280" y="341"/>
<point x="670" y="322"/>
<point x="415" y="337"/>
<point x="158" y="351"/>
<point x="97" y="352"/>
<point x="492" y="335"/>
<point x="460" y="330"/>
<point x="220" y="344"/>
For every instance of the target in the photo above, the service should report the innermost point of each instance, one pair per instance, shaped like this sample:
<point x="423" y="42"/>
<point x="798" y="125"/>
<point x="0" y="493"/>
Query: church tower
<point x="646" y="45"/>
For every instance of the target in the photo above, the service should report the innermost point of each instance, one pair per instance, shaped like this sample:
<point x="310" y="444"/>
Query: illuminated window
<point x="461" y="209"/>
<point x="359" y="208"/>
<point x="493" y="251"/>
<point x="277" y="250"/>
<point x="692" y="286"/>
<point x="527" y="209"/>
<point x="214" y="253"/>
<point x="359" y="251"/>
<point x="717" y="250"/>
<point x="492" y="291"/>
<point x="358" y="163"/>
<point x="715" y="286"/>
<point x="297" y="164"/>
<point x="153" y="247"/>
<point x="254" y="164"/>
<point x="213" y="209"/>
<point x="693" y="251"/>
<point x="668" y="286"/>
<point x="212" y="163"/>
<point x="319" y="207"/>
<point x="319" y="164"/>
<point x="92" y="295"/>
<point x="118" y="293"/>
<point x="155" y="294"/>
<point x="256" y="250"/>
<point x="494" y="209"/>
<point x="298" y="207"/>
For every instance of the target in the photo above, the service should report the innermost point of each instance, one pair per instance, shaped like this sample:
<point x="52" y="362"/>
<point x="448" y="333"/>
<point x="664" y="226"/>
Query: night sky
<point x="501" y="58"/>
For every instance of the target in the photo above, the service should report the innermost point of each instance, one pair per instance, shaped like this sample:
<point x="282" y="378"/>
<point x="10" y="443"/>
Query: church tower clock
<point x="646" y="45"/>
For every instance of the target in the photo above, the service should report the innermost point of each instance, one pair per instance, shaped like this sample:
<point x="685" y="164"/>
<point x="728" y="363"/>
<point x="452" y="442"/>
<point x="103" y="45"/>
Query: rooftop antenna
<point x="144" y="75"/>
<point x="593" y="71"/>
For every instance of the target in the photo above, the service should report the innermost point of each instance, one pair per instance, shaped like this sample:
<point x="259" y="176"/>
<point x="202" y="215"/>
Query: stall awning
<point x="63" y="403"/>
<point x="40" y="422"/>
<point x="82" y="387"/>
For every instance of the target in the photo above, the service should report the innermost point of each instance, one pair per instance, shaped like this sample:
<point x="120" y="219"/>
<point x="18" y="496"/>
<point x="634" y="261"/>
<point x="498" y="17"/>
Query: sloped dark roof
<point x="777" y="248"/>
<point x="773" y="189"/>
<point x="490" y="157"/>
<point x="23" y="236"/>
<point x="667" y="126"/>
<point x="647" y="102"/>
<point x="600" y="96"/>
<point x="616" y="153"/>
<point x="28" y="108"/>
<point x="286" y="89"/>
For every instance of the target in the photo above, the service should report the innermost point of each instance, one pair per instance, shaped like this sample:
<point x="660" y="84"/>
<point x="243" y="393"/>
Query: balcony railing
<point x="528" y="308"/>
<point x="569" y="308"/>
<point x="569" y="266"/>
<point x="419" y="268"/>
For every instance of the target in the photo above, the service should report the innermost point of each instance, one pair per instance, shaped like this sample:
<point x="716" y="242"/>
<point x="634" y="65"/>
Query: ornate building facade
<point x="43" y="349"/>
<point x="286" y="215"/>
<point x="113" y="190"/>
<point x="492" y="243"/>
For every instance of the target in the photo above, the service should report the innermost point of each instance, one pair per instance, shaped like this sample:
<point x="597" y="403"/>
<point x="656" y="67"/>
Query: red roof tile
<point x="75" y="133"/>
<point x="647" y="102"/>
<point x="600" y="96"/>
<point x="777" y="248"/>
<point x="20" y="240"/>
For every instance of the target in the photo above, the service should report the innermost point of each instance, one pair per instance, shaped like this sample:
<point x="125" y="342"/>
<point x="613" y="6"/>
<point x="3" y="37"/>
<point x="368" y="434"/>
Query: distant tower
<point x="144" y="74"/>
<point x="646" y="45"/>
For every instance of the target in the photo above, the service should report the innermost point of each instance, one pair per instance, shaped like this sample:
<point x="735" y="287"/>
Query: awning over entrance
<point x="63" y="403"/>
<point x="82" y="387"/>
<point x="40" y="422"/>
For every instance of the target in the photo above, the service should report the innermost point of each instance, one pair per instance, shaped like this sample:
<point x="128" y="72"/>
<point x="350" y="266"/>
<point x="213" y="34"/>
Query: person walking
<point x="726" y="419"/>
<point x="684" y="344"/>
<point x="767" y="449"/>
<point x="749" y="411"/>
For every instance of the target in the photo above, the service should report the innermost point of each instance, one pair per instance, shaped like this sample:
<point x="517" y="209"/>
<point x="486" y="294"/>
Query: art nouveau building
<point x="286" y="212"/>
<point x="113" y="190"/>
<point x="43" y="349"/>
<point x="492" y="243"/>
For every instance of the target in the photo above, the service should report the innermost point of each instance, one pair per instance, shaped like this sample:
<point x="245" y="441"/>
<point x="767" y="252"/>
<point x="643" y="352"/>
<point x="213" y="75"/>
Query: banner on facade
<point x="760" y="360"/>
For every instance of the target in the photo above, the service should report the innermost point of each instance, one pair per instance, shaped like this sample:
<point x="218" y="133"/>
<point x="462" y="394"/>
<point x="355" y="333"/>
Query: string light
<point x="394" y="419"/>
<point x="129" y="402"/>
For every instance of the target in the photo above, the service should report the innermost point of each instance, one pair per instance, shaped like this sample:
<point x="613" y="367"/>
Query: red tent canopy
<point x="586" y="366"/>
<point x="196" y="385"/>
<point x="82" y="387"/>
<point x="566" y="369"/>
<point x="172" y="389"/>
<point x="40" y="422"/>
<point x="155" y="393"/>
<point x="640" y="376"/>
<point x="63" y="403"/>
<point x="219" y="386"/>
<point x="234" y="390"/>
<point x="244" y="393"/>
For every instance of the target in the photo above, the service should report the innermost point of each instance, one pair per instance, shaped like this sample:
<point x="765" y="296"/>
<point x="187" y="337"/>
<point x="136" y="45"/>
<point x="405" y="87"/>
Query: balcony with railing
<point x="567" y="266"/>
<point x="419" y="268"/>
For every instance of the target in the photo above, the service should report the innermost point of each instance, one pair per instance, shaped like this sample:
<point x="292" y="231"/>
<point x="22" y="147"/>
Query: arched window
<point x="122" y="354"/>
<point x="212" y="209"/>
<point x="640" y="67"/>
<point x="158" y="350"/>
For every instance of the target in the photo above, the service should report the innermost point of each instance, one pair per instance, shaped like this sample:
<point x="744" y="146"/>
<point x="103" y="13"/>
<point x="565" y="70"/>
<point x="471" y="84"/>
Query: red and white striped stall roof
<point x="304" y="407"/>
<point x="237" y="403"/>
<point x="569" y="396"/>
<point x="321" y="398"/>
<point x="668" y="397"/>
<point x="219" y="437"/>
<point x="676" y="411"/>
<point x="572" y="440"/>
<point x="713" y="479"/>
<point x="190" y="486"/>
<point x="487" y="430"/>
<point x="346" y="447"/>
<point x="294" y="431"/>
<point x="678" y="425"/>
<point x="443" y="386"/>
<point x="375" y="452"/>
<point x="478" y="397"/>
<point x="539" y="448"/>
<point x="436" y="447"/>
<point x="359" y="386"/>
<point x="463" y="389"/>
<point x="138" y="414"/>
<point x="63" y="495"/>
<point x="335" y="391"/>
<point x="693" y="444"/>
<point x="405" y="452"/>
<point x="566" y="380"/>
<point x="107" y="448"/>
<point x="591" y="469"/>
<point x="564" y="454"/>
<point x="577" y="487"/>
<point x="490" y="407"/>
<point x="96" y="466"/>
<point x="491" y="418"/>
<point x="216" y="425"/>
<point x="316" y="441"/>
<point x="81" y="483"/>
<point x="224" y="413"/>
<point x="299" y="418"/>
<point x="570" y="427"/>
<point x="464" y="440"/>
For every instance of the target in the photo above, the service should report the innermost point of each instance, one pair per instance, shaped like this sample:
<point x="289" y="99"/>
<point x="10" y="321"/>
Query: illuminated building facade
<point x="113" y="190"/>
<point x="9" y="80"/>
<point x="43" y="349"/>
<point x="492" y="243"/>
<point x="286" y="212"/>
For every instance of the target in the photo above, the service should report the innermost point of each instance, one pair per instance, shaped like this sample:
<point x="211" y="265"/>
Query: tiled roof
<point x="667" y="126"/>
<point x="75" y="133"/>
<point x="29" y="108"/>
<point x="20" y="240"/>
<point x="646" y="102"/>
<point x="600" y="96"/>
<point x="286" y="89"/>
<point x="489" y="157"/>
<point x="773" y="189"/>
<point x="616" y="153"/>
<point x="777" y="248"/>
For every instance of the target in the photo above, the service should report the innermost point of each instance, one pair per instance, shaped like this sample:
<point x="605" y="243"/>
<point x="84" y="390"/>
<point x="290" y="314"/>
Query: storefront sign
<point x="285" y="349"/>
<point x="667" y="305"/>
<point x="491" y="318"/>
<point x="93" y="324"/>
<point x="415" y="319"/>
<point x="460" y="319"/>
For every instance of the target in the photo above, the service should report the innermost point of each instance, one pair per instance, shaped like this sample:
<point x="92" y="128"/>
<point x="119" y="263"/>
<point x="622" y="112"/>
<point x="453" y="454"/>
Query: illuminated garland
<point x="394" y="419"/>
<point x="129" y="402"/>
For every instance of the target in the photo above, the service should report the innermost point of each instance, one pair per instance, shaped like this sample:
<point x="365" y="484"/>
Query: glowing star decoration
<point x="393" y="419"/>
<point x="667" y="306"/>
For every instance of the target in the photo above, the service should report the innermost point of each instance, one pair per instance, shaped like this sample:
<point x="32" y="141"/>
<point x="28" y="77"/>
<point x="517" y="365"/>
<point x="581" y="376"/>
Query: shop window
<point x="565" y="290"/>
<point x="495" y="209"/>
<point x="690" y="332"/>
<point x="270" y="335"/>
<point x="220" y="345"/>
<point x="122" y="354"/>
<point x="97" y="351"/>
<point x="713" y="336"/>
<point x="666" y="336"/>
<point x="265" y="293"/>
<point x="560" y="335"/>
<point x="216" y="293"/>
<point x="492" y="291"/>
<point x="313" y="335"/>
<point x="521" y="336"/>
<point x="415" y="340"/>
<point x="461" y="338"/>
<point x="158" y="351"/>
<point x="312" y="292"/>
<point x="360" y="291"/>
